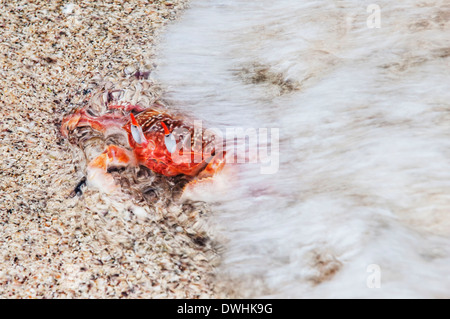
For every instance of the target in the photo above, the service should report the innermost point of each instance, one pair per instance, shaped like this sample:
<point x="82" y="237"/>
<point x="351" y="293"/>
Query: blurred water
<point x="363" y="114"/>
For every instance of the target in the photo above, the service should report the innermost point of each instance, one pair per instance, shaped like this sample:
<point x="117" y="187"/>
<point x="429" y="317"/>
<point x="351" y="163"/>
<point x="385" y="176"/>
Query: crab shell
<point x="195" y="149"/>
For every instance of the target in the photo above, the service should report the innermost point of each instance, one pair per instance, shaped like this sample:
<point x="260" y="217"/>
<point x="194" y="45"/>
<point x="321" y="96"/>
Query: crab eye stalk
<point x="169" y="140"/>
<point x="136" y="131"/>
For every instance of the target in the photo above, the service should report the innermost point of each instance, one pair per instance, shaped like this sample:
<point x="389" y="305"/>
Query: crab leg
<point x="214" y="166"/>
<point x="81" y="118"/>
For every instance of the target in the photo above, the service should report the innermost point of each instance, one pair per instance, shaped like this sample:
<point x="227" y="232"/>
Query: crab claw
<point x="70" y="122"/>
<point x="208" y="188"/>
<point x="208" y="177"/>
<point x="81" y="118"/>
<point x="97" y="170"/>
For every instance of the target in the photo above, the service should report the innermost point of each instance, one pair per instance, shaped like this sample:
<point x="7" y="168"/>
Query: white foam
<point x="364" y="172"/>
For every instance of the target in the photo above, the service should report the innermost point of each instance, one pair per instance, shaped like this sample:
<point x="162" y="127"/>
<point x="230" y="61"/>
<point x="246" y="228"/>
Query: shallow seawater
<point x="357" y="202"/>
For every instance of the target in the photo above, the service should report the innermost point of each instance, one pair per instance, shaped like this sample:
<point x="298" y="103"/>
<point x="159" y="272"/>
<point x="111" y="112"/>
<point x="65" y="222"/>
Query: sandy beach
<point x="355" y="97"/>
<point x="55" y="56"/>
